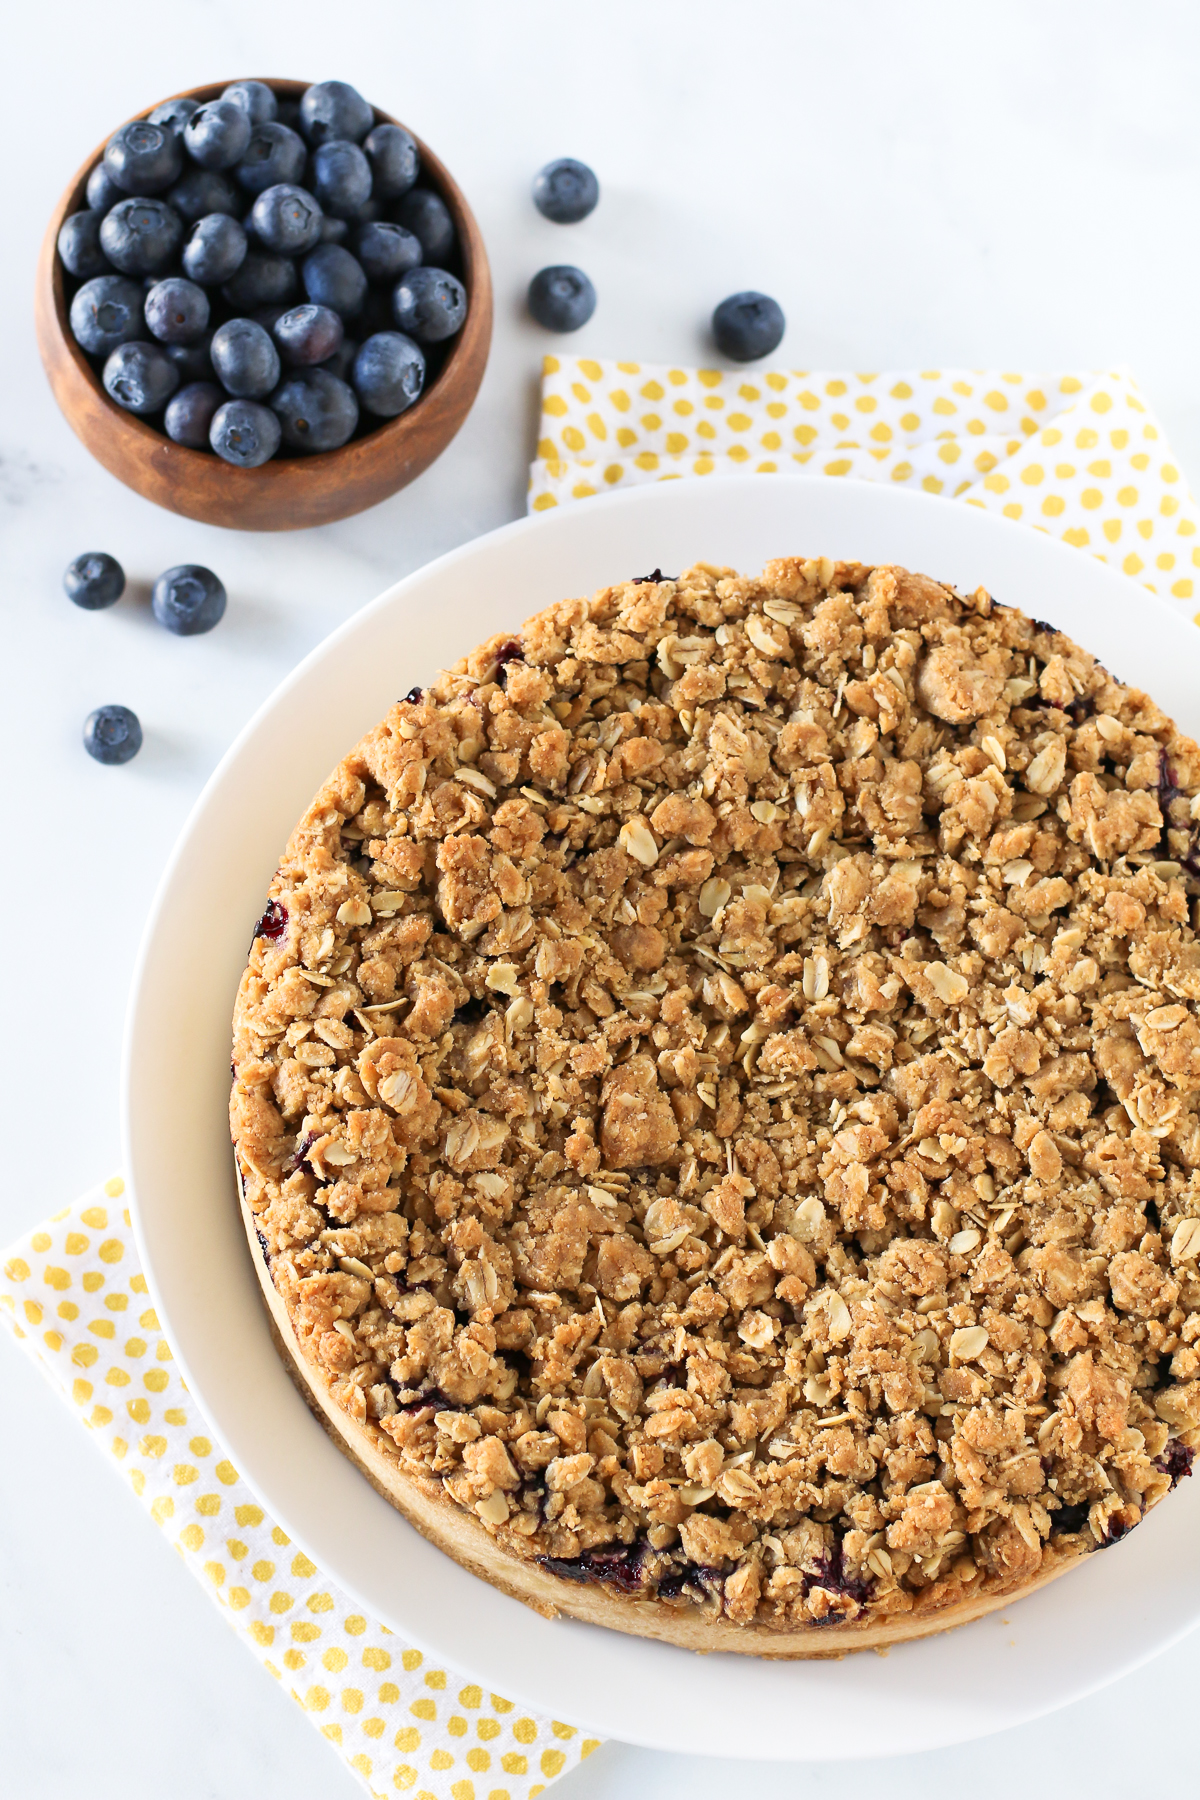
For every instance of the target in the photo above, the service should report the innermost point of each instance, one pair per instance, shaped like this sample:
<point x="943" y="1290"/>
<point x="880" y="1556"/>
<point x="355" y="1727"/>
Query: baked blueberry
<point x="94" y="580"/>
<point x="334" y="231"/>
<point x="217" y="134"/>
<point x="112" y="734"/>
<point x="386" y="251"/>
<point x="140" y="237"/>
<point x="107" y="311"/>
<point x="79" y="245"/>
<point x="308" y="335"/>
<point x="192" y="360"/>
<point x="285" y="219"/>
<point x="341" y="178"/>
<point x="565" y="191"/>
<point x="143" y="158"/>
<point x="187" y="599"/>
<point x="140" y="377"/>
<point x="334" y="109"/>
<point x="190" y="413"/>
<point x="394" y="159"/>
<point x="747" y="326"/>
<point x="203" y="191"/>
<point x="262" y="280"/>
<point x="177" y="310"/>
<point x="214" y="249"/>
<point x="274" y="154"/>
<point x="174" y="114"/>
<point x="561" y="298"/>
<point x="388" y="373"/>
<point x="334" y="278"/>
<point x="426" y="215"/>
<point x="245" y="359"/>
<point x="429" y="304"/>
<point x="244" y="433"/>
<point x="255" y="99"/>
<point x="316" y="410"/>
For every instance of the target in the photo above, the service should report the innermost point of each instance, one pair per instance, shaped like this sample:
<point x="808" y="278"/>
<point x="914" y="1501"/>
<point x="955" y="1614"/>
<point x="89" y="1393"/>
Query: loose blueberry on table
<point x="566" y="191"/>
<point x="747" y="326"/>
<point x="561" y="298"/>
<point x="94" y="580"/>
<point x="219" y="235"/>
<point x="188" y="599"/>
<point x="112" y="734"/>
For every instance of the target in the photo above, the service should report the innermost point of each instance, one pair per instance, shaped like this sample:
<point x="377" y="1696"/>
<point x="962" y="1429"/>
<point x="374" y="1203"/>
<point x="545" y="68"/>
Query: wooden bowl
<point x="287" y="493"/>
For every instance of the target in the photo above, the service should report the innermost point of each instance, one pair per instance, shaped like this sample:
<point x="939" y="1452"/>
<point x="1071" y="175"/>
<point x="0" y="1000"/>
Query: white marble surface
<point x="923" y="185"/>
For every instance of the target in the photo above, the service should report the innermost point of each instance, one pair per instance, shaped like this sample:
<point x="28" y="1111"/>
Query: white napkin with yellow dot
<point x="76" y="1299"/>
<point x="1078" y="455"/>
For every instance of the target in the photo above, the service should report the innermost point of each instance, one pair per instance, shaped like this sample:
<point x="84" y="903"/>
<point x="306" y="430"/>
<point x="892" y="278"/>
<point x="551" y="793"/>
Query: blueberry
<point x="334" y="109"/>
<point x="255" y="99"/>
<point x="112" y="734"/>
<point x="566" y="191"/>
<point x="269" y="316"/>
<point x="341" y="363"/>
<point x="217" y="133"/>
<point x="102" y="190"/>
<point x="204" y="191"/>
<point x="286" y="219"/>
<point x="79" y="245"/>
<point x="94" y="580"/>
<point x="747" y="326"/>
<point x="187" y="599"/>
<point x="140" y="377"/>
<point x="561" y="298"/>
<point x="394" y="159"/>
<point x="246" y="361"/>
<point x="177" y="310"/>
<point x="332" y="277"/>
<point x="215" y="249"/>
<point x="143" y="158"/>
<point x="386" y="251"/>
<point x="426" y="215"/>
<point x="262" y="280"/>
<point x="275" y="153"/>
<point x="308" y="334"/>
<point x="106" y="312"/>
<point x="190" y="413"/>
<point x="288" y="113"/>
<point x="140" y="237"/>
<point x="429" y="304"/>
<point x="389" y="373"/>
<point x="192" y="360"/>
<point x="174" y="114"/>
<point x="341" y="178"/>
<point x="334" y="231"/>
<point x="316" y="410"/>
<point x="244" y="433"/>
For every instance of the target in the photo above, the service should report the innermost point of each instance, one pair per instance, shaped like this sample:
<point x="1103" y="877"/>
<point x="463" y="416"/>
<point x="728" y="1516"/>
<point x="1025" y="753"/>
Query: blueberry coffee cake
<point x="717" y="1105"/>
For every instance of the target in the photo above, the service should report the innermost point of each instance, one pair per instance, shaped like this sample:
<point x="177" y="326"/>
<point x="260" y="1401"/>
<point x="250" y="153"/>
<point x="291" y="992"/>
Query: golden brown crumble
<point x="717" y="1084"/>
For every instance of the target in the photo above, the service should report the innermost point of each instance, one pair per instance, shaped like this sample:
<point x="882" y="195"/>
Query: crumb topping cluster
<point x="717" y="1081"/>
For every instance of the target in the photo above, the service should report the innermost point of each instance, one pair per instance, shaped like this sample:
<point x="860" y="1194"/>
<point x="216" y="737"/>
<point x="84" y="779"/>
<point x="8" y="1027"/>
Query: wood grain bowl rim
<point x="309" y="490"/>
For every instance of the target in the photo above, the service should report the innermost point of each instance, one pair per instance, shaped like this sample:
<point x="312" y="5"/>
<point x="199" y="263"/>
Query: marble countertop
<point x="920" y="186"/>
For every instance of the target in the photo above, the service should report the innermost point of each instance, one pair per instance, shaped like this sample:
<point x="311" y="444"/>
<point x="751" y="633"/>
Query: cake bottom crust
<point x="425" y="1505"/>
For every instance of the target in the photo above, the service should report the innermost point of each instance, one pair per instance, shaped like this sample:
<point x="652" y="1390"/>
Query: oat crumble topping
<point x="717" y="1081"/>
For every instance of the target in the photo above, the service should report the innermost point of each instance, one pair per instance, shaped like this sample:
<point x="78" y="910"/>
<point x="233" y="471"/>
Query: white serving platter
<point x="1117" y="1610"/>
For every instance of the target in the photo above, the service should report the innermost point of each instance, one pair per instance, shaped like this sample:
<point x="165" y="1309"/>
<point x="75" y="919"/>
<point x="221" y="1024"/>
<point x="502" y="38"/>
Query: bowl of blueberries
<point x="264" y="305"/>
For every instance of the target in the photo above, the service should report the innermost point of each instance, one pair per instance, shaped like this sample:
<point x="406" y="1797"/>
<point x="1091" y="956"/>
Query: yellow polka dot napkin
<point x="74" y="1296"/>
<point x="1076" y="455"/>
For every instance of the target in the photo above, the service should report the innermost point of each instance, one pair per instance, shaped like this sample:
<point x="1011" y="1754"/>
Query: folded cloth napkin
<point x="1076" y="455"/>
<point x="76" y="1299"/>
